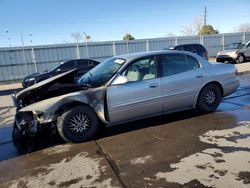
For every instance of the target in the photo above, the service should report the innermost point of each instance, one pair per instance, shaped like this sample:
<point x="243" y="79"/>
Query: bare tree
<point x="193" y="28"/>
<point x="243" y="28"/>
<point x="76" y="36"/>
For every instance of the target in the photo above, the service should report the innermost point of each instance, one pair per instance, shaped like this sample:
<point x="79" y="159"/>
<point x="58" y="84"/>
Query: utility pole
<point x="24" y="57"/>
<point x="205" y="16"/>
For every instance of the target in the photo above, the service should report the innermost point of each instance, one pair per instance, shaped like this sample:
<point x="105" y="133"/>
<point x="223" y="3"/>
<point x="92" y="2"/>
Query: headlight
<point x="233" y="54"/>
<point x="31" y="79"/>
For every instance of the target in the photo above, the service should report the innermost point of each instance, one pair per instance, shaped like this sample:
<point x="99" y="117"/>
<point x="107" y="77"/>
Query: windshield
<point x="237" y="45"/>
<point x="102" y="73"/>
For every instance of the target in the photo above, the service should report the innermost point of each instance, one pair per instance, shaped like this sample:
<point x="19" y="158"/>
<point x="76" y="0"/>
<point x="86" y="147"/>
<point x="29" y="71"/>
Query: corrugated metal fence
<point x="17" y="62"/>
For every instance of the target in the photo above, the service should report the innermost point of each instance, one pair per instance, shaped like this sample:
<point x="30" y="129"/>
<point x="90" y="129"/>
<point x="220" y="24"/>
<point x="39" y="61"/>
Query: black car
<point x="195" y="48"/>
<point x="83" y="66"/>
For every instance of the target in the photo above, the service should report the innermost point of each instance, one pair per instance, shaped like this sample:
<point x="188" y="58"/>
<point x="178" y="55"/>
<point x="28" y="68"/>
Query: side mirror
<point x="120" y="80"/>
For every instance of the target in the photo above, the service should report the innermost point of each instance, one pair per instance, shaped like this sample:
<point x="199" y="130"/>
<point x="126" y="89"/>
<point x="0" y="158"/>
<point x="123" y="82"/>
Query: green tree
<point x="128" y="37"/>
<point x="208" y="30"/>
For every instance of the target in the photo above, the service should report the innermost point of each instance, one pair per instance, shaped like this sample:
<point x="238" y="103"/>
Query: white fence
<point x="17" y="62"/>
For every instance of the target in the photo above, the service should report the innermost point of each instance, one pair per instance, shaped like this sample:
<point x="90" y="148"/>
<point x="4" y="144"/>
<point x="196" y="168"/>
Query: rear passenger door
<point x="182" y="77"/>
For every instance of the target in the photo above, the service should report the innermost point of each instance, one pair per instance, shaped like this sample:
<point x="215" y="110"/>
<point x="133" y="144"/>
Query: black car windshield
<point x="101" y="73"/>
<point x="237" y="45"/>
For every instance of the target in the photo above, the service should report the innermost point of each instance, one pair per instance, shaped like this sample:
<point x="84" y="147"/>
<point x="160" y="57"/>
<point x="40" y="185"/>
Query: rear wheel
<point x="77" y="124"/>
<point x="209" y="98"/>
<point x="240" y="58"/>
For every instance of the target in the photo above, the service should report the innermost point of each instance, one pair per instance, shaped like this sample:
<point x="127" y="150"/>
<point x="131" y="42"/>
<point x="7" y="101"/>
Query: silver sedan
<point x="122" y="89"/>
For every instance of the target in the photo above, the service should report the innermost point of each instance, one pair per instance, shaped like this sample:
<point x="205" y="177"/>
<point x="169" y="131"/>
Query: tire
<point x="240" y="58"/>
<point x="209" y="98"/>
<point x="78" y="124"/>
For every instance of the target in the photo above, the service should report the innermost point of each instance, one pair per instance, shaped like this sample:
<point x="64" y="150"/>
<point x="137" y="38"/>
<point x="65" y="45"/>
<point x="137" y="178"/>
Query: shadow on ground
<point x="9" y="91"/>
<point x="47" y="139"/>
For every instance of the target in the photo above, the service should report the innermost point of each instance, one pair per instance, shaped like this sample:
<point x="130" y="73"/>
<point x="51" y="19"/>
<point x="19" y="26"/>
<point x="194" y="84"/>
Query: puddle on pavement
<point x="70" y="172"/>
<point x="227" y="165"/>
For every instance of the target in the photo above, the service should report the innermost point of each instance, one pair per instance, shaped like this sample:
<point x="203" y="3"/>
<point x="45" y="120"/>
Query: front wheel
<point x="209" y="98"/>
<point x="78" y="124"/>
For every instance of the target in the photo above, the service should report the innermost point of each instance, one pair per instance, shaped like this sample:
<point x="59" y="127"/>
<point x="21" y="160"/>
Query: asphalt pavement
<point x="184" y="149"/>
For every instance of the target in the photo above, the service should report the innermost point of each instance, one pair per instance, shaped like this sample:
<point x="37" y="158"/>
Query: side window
<point x="179" y="48"/>
<point x="83" y="64"/>
<point x="143" y="69"/>
<point x="91" y="63"/>
<point x="67" y="65"/>
<point x="188" y="48"/>
<point x="174" y="64"/>
<point x="192" y="63"/>
<point x="76" y="64"/>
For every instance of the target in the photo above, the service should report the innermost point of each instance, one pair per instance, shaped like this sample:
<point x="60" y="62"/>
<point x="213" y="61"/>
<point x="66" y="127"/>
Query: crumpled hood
<point x="39" y="88"/>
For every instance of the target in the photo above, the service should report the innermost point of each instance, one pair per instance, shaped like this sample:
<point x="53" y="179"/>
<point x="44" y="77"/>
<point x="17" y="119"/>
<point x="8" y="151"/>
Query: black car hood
<point x="57" y="85"/>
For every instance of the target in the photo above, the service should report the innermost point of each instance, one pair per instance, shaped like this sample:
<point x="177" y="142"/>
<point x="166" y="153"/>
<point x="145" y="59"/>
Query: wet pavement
<point x="183" y="149"/>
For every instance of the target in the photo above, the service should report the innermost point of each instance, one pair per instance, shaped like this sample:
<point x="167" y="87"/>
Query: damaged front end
<point x="26" y="123"/>
<point x="42" y="104"/>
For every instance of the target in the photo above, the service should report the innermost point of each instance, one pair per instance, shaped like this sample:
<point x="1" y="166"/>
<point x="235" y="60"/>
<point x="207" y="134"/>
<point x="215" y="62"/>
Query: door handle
<point x="153" y="85"/>
<point x="199" y="76"/>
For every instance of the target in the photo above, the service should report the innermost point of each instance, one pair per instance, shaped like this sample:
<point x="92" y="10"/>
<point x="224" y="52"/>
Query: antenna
<point x="205" y="16"/>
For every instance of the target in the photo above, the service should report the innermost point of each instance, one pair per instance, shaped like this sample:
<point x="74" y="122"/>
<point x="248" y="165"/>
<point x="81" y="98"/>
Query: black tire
<point x="82" y="129"/>
<point x="240" y="59"/>
<point x="209" y="98"/>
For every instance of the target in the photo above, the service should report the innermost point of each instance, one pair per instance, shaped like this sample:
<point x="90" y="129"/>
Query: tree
<point x="128" y="37"/>
<point x="243" y="28"/>
<point x="208" y="30"/>
<point x="193" y="28"/>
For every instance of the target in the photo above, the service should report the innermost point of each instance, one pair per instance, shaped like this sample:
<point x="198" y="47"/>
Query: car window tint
<point x="143" y="69"/>
<point x="83" y="64"/>
<point x="193" y="64"/>
<point x="174" y="64"/>
<point x="188" y="48"/>
<point x="67" y="65"/>
<point x="178" y="48"/>
<point x="91" y="63"/>
<point x="76" y="64"/>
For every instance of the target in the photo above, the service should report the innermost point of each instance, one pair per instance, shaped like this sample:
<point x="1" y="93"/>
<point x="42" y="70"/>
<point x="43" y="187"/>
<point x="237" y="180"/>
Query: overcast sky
<point x="52" y="21"/>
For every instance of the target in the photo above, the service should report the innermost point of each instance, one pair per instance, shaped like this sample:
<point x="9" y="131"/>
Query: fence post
<point x="114" y="49"/>
<point x="77" y="51"/>
<point x="176" y="41"/>
<point x="244" y="37"/>
<point x="127" y="46"/>
<point x="223" y="42"/>
<point x="147" y="46"/>
<point x="87" y="50"/>
<point x="202" y="39"/>
<point x="33" y="57"/>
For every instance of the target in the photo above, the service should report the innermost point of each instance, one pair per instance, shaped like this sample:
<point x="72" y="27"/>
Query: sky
<point x="52" y="21"/>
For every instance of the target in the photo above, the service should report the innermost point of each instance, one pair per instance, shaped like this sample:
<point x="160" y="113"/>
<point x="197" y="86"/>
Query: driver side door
<point x="140" y="96"/>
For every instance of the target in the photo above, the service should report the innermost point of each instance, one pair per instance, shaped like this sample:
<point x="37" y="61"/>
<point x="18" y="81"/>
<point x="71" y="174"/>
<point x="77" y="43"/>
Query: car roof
<point x="137" y="55"/>
<point x="192" y="44"/>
